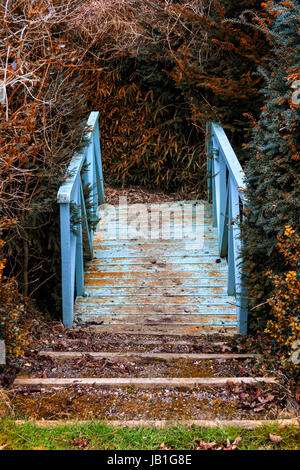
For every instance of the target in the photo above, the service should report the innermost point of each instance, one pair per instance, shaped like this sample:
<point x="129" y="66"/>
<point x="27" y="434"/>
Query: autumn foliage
<point x="43" y="104"/>
<point x="284" y="326"/>
<point x="11" y="307"/>
<point x="175" y="66"/>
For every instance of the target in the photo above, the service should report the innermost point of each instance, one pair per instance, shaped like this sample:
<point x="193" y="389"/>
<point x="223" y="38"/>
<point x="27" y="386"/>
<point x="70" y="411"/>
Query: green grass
<point x="100" y="436"/>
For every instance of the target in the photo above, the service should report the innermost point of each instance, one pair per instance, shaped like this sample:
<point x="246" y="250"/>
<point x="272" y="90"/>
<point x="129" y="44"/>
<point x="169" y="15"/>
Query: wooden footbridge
<point x="159" y="289"/>
<point x="158" y="267"/>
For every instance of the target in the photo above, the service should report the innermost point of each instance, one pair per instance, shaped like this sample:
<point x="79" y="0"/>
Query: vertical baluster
<point x="222" y="206"/>
<point x="66" y="265"/>
<point x="98" y="164"/>
<point x="216" y="183"/>
<point x="94" y="175"/>
<point x="209" y="160"/>
<point x="89" y="179"/>
<point x="223" y="234"/>
<point x="214" y="169"/>
<point x="89" y="241"/>
<point x="79" y="273"/>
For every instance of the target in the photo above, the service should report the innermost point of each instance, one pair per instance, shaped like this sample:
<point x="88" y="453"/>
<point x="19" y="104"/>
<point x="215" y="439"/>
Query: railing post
<point x="67" y="277"/>
<point x="209" y="161"/>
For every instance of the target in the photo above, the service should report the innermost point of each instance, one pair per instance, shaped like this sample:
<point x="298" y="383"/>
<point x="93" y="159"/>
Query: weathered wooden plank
<point x="157" y="382"/>
<point x="82" y="308"/>
<point x="156" y="299"/>
<point x="147" y="243"/>
<point x="133" y="235"/>
<point x="171" y="264"/>
<point x="136" y="356"/>
<point x="93" y="281"/>
<point x="108" y="208"/>
<point x="181" y="331"/>
<point x="162" y="319"/>
<point x="195" y="274"/>
<point x="161" y="423"/>
<point x="136" y="253"/>
<point x="156" y="290"/>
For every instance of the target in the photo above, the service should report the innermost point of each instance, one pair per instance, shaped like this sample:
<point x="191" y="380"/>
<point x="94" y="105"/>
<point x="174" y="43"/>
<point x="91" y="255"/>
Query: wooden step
<point x="155" y="382"/>
<point x="161" y="423"/>
<point x="161" y="330"/>
<point x="136" y="356"/>
<point x="171" y="320"/>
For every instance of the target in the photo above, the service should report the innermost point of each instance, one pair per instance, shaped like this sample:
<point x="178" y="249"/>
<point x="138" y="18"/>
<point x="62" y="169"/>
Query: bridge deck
<point x="158" y="271"/>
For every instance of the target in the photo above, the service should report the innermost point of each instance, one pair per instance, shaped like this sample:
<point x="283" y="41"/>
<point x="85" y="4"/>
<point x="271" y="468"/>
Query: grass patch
<point x="97" y="435"/>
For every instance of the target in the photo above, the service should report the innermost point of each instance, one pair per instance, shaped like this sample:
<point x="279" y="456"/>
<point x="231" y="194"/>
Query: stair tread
<point x="145" y="355"/>
<point x="145" y="381"/>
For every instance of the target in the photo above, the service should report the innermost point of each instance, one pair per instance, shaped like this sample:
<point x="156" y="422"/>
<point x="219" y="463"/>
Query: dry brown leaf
<point x="81" y="443"/>
<point x="275" y="438"/>
<point x="206" y="445"/>
<point x="236" y="442"/>
<point x="4" y="445"/>
<point x="164" y="447"/>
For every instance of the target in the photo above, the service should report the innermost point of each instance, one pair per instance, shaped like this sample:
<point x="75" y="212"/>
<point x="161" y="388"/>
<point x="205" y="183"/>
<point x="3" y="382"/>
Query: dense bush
<point x="41" y="112"/>
<point x="11" y="307"/>
<point x="284" y="326"/>
<point x="273" y="170"/>
<point x="177" y="65"/>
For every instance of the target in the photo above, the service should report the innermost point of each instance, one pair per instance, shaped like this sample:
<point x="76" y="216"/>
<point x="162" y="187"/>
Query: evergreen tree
<point x="273" y="169"/>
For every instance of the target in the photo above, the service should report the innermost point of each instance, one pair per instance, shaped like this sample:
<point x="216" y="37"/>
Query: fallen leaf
<point x="275" y="438"/>
<point x="236" y="442"/>
<point x="4" y="445"/>
<point x="81" y="443"/>
<point x="164" y="447"/>
<point x="202" y="445"/>
<point x="225" y="348"/>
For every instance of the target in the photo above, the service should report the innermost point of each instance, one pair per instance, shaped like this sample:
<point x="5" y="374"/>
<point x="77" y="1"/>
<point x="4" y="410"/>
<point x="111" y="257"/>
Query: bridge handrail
<point x="226" y="186"/>
<point x="84" y="170"/>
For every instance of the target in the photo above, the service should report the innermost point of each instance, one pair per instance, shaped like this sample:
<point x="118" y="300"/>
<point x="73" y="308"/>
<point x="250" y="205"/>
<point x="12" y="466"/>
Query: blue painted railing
<point x="226" y="186"/>
<point x="84" y="170"/>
